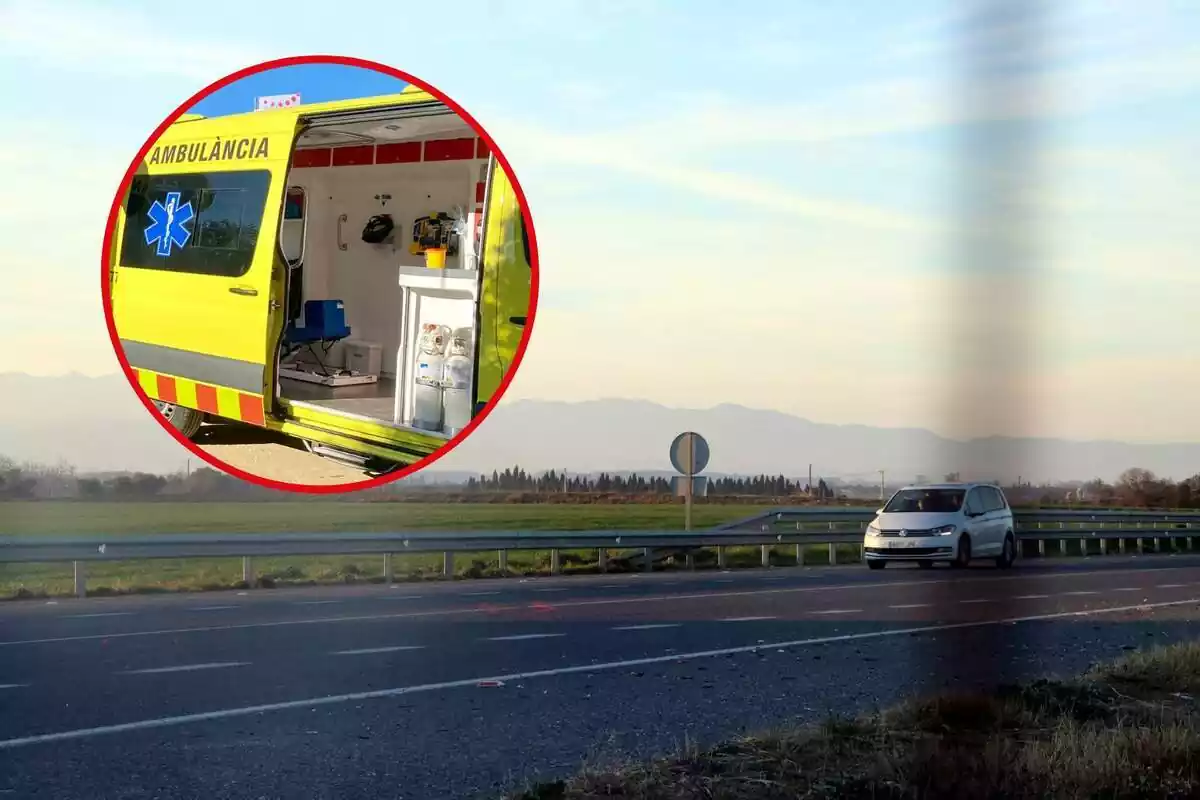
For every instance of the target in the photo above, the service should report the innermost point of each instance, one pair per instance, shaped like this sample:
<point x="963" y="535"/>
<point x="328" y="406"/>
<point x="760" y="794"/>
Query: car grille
<point x="908" y="552"/>
<point x="908" y="532"/>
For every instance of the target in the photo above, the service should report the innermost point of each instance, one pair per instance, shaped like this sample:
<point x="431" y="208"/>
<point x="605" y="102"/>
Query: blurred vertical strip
<point x="993" y="282"/>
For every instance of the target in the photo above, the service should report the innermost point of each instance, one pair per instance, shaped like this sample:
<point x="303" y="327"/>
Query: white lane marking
<point x="977" y="600"/>
<point x="1075" y="594"/>
<point x="316" y="602"/>
<point x="839" y="611"/>
<point x="1031" y="597"/>
<point x="648" y="627"/>
<point x="51" y="602"/>
<point x="520" y="637"/>
<point x="99" y="614"/>
<point x="479" y="594"/>
<point x="662" y="598"/>
<point x="378" y="694"/>
<point x="912" y="605"/>
<point x="611" y="586"/>
<point x="13" y="685"/>
<point x="186" y="668"/>
<point x="554" y="589"/>
<point x="746" y="619"/>
<point x="372" y="650"/>
<point x="400" y="597"/>
<point x="1171" y="585"/>
<point x="210" y="608"/>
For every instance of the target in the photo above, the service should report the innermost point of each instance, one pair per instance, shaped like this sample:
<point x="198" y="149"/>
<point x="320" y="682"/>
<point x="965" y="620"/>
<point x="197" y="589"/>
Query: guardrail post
<point x="602" y="559"/>
<point x="832" y="553"/>
<point x="80" y="579"/>
<point x="448" y="564"/>
<point x="720" y="556"/>
<point x="690" y="560"/>
<point x="502" y="562"/>
<point x="648" y="556"/>
<point x="555" y="562"/>
<point x="1041" y="546"/>
<point x="1062" y="547"/>
<point x="766" y="554"/>
<point x="799" y="554"/>
<point x="1104" y="547"/>
<point x="1121" y="545"/>
<point x="389" y="573"/>
<point x="248" y="570"/>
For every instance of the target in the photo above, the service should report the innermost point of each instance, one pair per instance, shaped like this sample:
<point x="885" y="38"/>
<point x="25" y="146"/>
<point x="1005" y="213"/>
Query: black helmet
<point x="378" y="229"/>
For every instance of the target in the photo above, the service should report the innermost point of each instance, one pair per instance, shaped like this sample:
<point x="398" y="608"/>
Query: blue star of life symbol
<point x="168" y="224"/>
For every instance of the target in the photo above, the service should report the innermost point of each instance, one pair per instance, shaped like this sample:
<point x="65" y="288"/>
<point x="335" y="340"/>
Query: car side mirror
<point x="879" y="511"/>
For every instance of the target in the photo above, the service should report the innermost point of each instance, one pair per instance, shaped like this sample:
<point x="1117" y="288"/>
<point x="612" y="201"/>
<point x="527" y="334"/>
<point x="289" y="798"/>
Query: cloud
<point x="913" y="103"/>
<point x="620" y="154"/>
<point x="109" y="39"/>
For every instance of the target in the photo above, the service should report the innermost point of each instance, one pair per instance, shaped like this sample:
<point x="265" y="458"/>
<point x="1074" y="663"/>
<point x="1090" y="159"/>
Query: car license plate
<point x="903" y="544"/>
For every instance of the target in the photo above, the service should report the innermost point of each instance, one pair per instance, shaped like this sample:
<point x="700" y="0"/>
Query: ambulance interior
<point x="381" y="230"/>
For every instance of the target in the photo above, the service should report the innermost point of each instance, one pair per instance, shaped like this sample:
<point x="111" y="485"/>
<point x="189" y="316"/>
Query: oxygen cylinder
<point x="427" y="377"/>
<point x="456" y="382"/>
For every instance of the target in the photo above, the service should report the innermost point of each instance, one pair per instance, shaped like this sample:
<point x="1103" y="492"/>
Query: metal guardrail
<point x="799" y="527"/>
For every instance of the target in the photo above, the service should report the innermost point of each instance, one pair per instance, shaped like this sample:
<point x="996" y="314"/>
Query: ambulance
<point x="357" y="275"/>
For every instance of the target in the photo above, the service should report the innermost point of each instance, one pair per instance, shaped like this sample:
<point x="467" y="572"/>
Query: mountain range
<point x="97" y="424"/>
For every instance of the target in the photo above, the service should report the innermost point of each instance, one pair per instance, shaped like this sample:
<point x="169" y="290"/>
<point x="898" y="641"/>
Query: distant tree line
<point x="516" y="479"/>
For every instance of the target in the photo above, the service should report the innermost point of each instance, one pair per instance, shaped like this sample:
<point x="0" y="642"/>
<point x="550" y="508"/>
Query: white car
<point x="953" y="522"/>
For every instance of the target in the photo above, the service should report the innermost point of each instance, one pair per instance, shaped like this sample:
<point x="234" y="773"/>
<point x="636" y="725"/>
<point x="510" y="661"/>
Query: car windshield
<point x="910" y="501"/>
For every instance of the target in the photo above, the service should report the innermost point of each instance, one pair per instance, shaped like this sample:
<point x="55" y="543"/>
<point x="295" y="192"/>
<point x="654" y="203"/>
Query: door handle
<point x="517" y="320"/>
<point x="244" y="290"/>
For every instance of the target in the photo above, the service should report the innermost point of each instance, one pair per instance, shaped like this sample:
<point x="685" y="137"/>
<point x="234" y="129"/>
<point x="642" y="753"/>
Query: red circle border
<point x="106" y="287"/>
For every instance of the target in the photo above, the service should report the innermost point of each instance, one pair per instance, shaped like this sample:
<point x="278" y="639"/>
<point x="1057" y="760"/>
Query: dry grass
<point x="1128" y="729"/>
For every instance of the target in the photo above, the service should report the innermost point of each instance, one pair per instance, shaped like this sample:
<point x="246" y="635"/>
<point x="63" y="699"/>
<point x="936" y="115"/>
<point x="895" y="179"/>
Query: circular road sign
<point x="689" y="453"/>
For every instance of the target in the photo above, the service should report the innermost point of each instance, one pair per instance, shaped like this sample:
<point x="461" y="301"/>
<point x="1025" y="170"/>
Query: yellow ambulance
<point x="354" y="274"/>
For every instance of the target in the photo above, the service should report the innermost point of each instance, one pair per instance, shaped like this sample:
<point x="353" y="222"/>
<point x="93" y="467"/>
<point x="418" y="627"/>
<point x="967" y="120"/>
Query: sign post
<point x="689" y="456"/>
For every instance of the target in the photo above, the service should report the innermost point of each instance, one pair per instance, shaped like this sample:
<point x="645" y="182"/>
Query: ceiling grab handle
<point x="341" y="245"/>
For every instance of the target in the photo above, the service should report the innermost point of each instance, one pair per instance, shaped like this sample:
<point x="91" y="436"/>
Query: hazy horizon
<point x="41" y="423"/>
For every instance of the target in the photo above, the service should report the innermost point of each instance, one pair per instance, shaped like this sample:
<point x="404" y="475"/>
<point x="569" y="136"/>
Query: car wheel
<point x="1008" y="553"/>
<point x="925" y="564"/>
<point x="185" y="420"/>
<point x="963" y="556"/>
<point x="876" y="564"/>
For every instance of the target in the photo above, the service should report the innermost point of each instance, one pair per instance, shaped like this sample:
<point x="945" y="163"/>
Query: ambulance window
<point x="205" y="224"/>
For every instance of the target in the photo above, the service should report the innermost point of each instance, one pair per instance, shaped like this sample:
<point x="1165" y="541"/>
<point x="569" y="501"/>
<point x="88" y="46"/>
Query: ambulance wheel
<point x="185" y="420"/>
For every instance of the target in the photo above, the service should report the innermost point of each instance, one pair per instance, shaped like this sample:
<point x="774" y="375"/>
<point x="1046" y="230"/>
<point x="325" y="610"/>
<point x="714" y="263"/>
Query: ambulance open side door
<point x="199" y="280"/>
<point x="506" y="282"/>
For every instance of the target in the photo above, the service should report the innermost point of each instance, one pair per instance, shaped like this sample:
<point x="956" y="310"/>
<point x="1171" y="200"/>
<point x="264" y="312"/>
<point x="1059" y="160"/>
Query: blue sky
<point x="781" y="186"/>
<point x="316" y="83"/>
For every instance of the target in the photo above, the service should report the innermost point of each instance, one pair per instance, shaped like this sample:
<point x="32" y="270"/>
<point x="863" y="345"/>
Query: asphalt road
<point x="465" y="689"/>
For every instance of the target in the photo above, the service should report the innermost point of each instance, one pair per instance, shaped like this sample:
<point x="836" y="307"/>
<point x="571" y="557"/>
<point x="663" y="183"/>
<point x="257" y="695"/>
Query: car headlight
<point x="945" y="530"/>
<point x="872" y="529"/>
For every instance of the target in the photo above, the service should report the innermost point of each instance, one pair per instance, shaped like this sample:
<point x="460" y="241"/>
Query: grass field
<point x="140" y="518"/>
<point x="1127" y="729"/>
<point x="132" y="519"/>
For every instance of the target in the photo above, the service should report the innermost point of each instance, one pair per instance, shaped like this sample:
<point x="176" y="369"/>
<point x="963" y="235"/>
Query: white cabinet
<point x="446" y="297"/>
